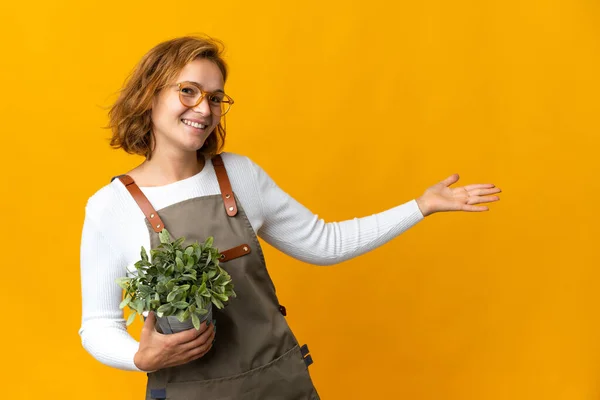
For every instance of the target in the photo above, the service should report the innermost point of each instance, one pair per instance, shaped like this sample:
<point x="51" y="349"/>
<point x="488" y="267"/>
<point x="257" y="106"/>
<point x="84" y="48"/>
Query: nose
<point x="203" y="108"/>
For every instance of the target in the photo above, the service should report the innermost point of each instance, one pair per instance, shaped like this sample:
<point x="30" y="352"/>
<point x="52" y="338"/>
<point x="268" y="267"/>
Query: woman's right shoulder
<point x="110" y="200"/>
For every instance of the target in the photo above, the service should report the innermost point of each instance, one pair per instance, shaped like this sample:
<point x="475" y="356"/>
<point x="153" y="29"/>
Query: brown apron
<point x="255" y="355"/>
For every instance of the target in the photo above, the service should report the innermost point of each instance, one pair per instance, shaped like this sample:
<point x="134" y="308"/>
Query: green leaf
<point x="179" y="264"/>
<point x="217" y="303"/>
<point x="164" y="236"/>
<point x="171" y="296"/>
<point x="123" y="282"/>
<point x="160" y="288"/>
<point x="199" y="301"/>
<point x="138" y="305"/>
<point x="208" y="242"/>
<point x="125" y="301"/>
<point x="145" y="290"/>
<point x="182" y="305"/>
<point x="196" y="321"/>
<point x="220" y="296"/>
<point x="178" y="242"/>
<point x="201" y="311"/>
<point x="165" y="309"/>
<point x="131" y="318"/>
<point x="180" y="296"/>
<point x="144" y="255"/>
<point x="202" y="289"/>
<point x="154" y="304"/>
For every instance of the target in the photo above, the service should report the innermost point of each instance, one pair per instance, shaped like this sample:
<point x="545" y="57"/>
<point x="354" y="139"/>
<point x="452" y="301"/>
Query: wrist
<point x="423" y="207"/>
<point x="140" y="362"/>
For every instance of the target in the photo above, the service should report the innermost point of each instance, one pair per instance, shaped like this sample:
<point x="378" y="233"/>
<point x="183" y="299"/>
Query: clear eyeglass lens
<point x="190" y="94"/>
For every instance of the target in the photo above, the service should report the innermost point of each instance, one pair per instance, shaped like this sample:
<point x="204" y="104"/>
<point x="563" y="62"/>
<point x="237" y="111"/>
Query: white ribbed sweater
<point x="114" y="231"/>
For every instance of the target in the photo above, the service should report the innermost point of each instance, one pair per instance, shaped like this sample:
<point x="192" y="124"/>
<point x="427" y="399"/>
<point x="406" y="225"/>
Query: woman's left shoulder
<point x="234" y="158"/>
<point x="239" y="163"/>
<point x="241" y="167"/>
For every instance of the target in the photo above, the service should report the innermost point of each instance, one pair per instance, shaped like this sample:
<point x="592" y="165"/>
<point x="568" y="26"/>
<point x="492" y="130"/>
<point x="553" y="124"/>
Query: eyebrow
<point x="214" y="91"/>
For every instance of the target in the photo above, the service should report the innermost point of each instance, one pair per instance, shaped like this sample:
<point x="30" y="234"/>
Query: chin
<point x="195" y="143"/>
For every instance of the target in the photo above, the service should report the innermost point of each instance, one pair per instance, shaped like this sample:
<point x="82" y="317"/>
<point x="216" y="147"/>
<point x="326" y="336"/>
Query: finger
<point x="478" y="200"/>
<point x="199" y="355"/>
<point x="480" y="186"/>
<point x="191" y="334"/>
<point x="200" y="350"/>
<point x="484" y="192"/>
<point x="450" y="180"/>
<point x="151" y="318"/>
<point x="149" y="324"/>
<point x="470" y="208"/>
<point x="205" y="337"/>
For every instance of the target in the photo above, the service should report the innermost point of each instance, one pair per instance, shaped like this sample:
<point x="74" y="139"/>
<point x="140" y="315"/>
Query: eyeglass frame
<point x="203" y="94"/>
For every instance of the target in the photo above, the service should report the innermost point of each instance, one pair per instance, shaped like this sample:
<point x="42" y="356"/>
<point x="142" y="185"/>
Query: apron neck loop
<point x="225" y="186"/>
<point x="143" y="202"/>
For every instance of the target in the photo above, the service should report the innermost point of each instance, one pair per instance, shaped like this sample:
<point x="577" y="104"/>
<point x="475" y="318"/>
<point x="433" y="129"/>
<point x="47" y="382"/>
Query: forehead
<point x="204" y="72"/>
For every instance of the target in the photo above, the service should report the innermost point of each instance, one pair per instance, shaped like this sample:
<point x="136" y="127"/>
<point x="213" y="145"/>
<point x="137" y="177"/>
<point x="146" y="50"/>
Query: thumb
<point x="452" y="179"/>
<point x="149" y="324"/>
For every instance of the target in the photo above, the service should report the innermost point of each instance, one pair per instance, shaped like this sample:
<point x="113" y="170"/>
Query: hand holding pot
<point x="158" y="351"/>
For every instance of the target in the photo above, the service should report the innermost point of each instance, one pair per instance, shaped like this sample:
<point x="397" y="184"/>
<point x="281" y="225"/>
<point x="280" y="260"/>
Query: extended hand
<point x="159" y="351"/>
<point x="441" y="197"/>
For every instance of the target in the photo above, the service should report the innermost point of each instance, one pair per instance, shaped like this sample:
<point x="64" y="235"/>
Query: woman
<point x="170" y="111"/>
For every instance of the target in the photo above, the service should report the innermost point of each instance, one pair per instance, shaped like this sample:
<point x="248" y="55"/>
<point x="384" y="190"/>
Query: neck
<point x="165" y="168"/>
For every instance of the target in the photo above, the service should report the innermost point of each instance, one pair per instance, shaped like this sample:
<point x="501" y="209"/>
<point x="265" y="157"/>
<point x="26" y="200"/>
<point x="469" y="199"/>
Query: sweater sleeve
<point x="293" y="229"/>
<point x="103" y="331"/>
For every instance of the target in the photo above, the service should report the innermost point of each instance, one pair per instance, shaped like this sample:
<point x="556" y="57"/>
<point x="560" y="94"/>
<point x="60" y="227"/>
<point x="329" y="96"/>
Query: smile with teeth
<point x="194" y="124"/>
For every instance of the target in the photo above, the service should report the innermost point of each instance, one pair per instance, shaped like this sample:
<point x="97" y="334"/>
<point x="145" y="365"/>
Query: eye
<point x="189" y="91"/>
<point x="215" y="98"/>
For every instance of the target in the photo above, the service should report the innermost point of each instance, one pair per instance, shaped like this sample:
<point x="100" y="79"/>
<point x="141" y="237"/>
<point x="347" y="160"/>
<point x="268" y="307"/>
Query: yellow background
<point x="352" y="108"/>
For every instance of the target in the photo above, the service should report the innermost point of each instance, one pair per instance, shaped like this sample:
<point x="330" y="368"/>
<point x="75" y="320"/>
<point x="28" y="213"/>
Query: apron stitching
<point x="284" y="356"/>
<point x="190" y="200"/>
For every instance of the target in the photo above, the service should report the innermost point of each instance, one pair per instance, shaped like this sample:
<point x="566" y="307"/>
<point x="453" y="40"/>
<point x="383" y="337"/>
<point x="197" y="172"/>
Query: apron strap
<point x="142" y="202"/>
<point x="235" y="252"/>
<point x="225" y="185"/>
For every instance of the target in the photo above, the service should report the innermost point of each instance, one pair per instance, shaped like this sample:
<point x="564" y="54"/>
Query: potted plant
<point x="180" y="284"/>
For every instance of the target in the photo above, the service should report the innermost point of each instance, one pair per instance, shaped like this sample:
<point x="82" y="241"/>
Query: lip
<point x="198" y="121"/>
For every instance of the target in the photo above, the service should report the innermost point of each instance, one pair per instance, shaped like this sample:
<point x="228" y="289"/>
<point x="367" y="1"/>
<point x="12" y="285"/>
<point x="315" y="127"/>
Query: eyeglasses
<point x="191" y="94"/>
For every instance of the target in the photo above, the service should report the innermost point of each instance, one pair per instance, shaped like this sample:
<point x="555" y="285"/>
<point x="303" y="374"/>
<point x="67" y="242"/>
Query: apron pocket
<point x="285" y="378"/>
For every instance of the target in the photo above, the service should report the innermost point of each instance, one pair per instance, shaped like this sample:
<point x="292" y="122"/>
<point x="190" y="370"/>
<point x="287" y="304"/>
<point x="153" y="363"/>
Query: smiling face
<point x="181" y="129"/>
